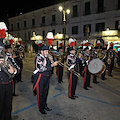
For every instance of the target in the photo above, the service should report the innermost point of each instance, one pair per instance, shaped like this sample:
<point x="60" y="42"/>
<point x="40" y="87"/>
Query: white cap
<point x="3" y="26"/>
<point x="98" y="41"/>
<point x="50" y="35"/>
<point x="10" y="37"/>
<point x="71" y="40"/>
<point x="39" y="41"/>
<point x="20" y="39"/>
<point x="60" y="41"/>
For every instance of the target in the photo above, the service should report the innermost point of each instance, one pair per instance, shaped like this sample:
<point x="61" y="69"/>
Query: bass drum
<point x="96" y="66"/>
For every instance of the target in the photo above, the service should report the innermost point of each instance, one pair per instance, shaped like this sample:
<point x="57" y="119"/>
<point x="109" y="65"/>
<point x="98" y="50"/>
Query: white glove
<point x="35" y="71"/>
<point x="71" y="67"/>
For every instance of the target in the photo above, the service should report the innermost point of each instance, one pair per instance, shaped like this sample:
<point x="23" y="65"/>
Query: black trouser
<point x="72" y="84"/>
<point x="103" y="75"/>
<point x="60" y="73"/>
<point x="87" y="76"/>
<point x="94" y="78"/>
<point x="5" y="101"/>
<point x="19" y="76"/>
<point x="14" y="80"/>
<point x="42" y="91"/>
<point x="110" y="67"/>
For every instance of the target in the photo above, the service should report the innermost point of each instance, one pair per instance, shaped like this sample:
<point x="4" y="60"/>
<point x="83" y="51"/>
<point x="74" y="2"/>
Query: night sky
<point x="9" y="8"/>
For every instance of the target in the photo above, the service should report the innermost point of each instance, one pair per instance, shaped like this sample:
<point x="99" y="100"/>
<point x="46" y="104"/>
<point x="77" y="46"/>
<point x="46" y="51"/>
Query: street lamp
<point x="65" y="12"/>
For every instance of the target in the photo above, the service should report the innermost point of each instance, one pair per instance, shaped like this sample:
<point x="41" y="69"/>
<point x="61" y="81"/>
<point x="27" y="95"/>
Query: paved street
<point x="102" y="102"/>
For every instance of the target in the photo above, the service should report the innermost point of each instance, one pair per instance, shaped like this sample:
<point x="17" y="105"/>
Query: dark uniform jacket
<point x="4" y="78"/>
<point x="73" y="60"/>
<point x="43" y="65"/>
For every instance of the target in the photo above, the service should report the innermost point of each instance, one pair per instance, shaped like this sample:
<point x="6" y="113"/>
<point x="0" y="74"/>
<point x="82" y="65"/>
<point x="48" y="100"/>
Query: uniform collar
<point x="9" y="55"/>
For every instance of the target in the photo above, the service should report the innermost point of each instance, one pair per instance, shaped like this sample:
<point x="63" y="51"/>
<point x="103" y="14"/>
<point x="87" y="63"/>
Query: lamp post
<point x="64" y="12"/>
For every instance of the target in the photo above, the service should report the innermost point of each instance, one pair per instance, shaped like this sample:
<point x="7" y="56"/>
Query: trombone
<point x="58" y="55"/>
<point x="73" y="71"/>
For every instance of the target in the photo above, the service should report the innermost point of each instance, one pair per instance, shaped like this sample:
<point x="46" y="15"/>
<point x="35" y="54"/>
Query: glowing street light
<point x="65" y="12"/>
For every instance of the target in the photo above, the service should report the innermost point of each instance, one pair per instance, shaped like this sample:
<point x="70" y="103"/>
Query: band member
<point x="94" y="55"/>
<point x="86" y="73"/>
<point x="9" y="53"/>
<point x="18" y="59"/>
<point x="43" y="66"/>
<point x="104" y="59"/>
<point x="110" y="60"/>
<point x="59" y="67"/>
<point x="52" y="49"/>
<point x="6" y="86"/>
<point x="80" y="61"/>
<point x="72" y="62"/>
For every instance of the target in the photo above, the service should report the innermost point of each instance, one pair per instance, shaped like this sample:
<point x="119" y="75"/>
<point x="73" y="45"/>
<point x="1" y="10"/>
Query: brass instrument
<point x="5" y="64"/>
<point x="19" y="51"/>
<point x="100" y="54"/>
<point x="109" y="58"/>
<point x="73" y="71"/>
<point x="86" y="58"/>
<point x="58" y="55"/>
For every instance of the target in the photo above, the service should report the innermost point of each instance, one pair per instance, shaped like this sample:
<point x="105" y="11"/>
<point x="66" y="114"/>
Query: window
<point x="75" y="30"/>
<point x="25" y="35"/>
<point x="87" y="8"/>
<point x="43" y="34"/>
<point x="25" y="24"/>
<point x="100" y="6"/>
<point x="75" y="11"/>
<point x="53" y="31"/>
<point x="64" y="30"/>
<point x="118" y="4"/>
<point x="53" y="18"/>
<point x="18" y="26"/>
<point x="43" y="20"/>
<point x="87" y="30"/>
<point x="33" y="22"/>
<point x="11" y="26"/>
<point x="117" y="25"/>
<point x="29" y="35"/>
<point x="100" y="27"/>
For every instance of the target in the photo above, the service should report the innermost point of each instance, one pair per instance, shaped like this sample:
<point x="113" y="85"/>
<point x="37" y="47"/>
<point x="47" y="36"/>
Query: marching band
<point x="84" y="62"/>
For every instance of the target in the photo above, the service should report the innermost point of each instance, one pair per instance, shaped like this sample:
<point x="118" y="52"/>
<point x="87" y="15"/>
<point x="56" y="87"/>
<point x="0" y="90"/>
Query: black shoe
<point x="21" y="81"/>
<point x="96" y="82"/>
<point x="86" y="88"/>
<point x="48" y="109"/>
<point x="90" y="86"/>
<point x="15" y="95"/>
<point x="73" y="98"/>
<point x="43" y="111"/>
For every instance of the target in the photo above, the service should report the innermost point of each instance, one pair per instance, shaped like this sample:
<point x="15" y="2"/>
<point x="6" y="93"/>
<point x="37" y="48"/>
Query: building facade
<point x="86" y="19"/>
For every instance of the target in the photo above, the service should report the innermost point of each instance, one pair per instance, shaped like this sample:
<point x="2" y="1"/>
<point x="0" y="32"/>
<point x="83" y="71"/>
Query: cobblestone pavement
<point x="101" y="102"/>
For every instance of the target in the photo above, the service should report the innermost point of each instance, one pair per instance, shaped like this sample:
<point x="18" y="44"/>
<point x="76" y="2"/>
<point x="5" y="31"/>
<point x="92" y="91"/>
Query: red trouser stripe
<point x="13" y="86"/>
<point x="109" y="69"/>
<point x="70" y="84"/>
<point x="37" y="89"/>
<point x="85" y="73"/>
<point x="37" y="82"/>
<point x="38" y="96"/>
